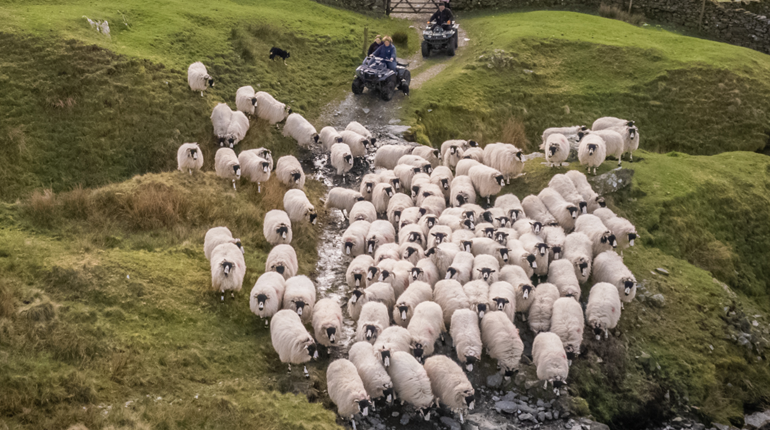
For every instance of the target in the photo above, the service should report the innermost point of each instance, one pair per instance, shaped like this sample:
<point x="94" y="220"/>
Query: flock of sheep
<point x="425" y="257"/>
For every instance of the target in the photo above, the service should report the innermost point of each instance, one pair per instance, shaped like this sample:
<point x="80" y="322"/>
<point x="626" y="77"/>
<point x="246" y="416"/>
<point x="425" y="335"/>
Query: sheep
<point x="356" y="273"/>
<point x="282" y="259"/>
<point x="565" y="131"/>
<point x="399" y="274"/>
<point x="237" y="129"/>
<point x="300" y="297"/>
<point x="465" y="165"/>
<point x="226" y="165"/>
<point x="507" y="159"/>
<point x="563" y="185"/>
<point x="624" y="231"/>
<point x="554" y="237"/>
<point x="503" y="234"/>
<point x="486" y="267"/>
<point x="387" y="156"/>
<point x="442" y="256"/>
<point x="477" y="292"/>
<point x="551" y="360"/>
<point x="486" y="246"/>
<point x="267" y="295"/>
<point x="562" y="274"/>
<point x="328" y="137"/>
<point x="511" y="205"/>
<point x="458" y="144"/>
<point x="449" y="294"/>
<point x="271" y="109"/>
<point x="377" y="292"/>
<point x="342" y="159"/>
<point x="497" y="217"/>
<point x="542" y="305"/>
<point x="363" y="211"/>
<point x="387" y="251"/>
<point x="298" y="128"/>
<point x="396" y="206"/>
<point x="564" y="211"/>
<point x="427" y="222"/>
<point x="411" y="233"/>
<point x="519" y="256"/>
<point x="291" y="340"/>
<point x="593" y="200"/>
<point x="299" y="208"/>
<point x="578" y="250"/>
<point x="417" y="293"/>
<point x="536" y="246"/>
<point x="405" y="173"/>
<point x="603" y="308"/>
<point x="476" y="154"/>
<point x="556" y="149"/>
<point x="466" y="336"/>
<point x="343" y="199"/>
<point x="189" y="157"/>
<point x="502" y="296"/>
<point x="216" y="236"/>
<point x="372" y="321"/>
<point x="610" y="122"/>
<point x="227" y="269"/>
<point x="327" y="322"/>
<point x="380" y="233"/>
<point x="254" y="168"/>
<point x="381" y="197"/>
<point x="346" y="390"/>
<point x="630" y="135"/>
<point x="360" y="129"/>
<point x="592" y="152"/>
<point x="426" y="326"/>
<point x="433" y="194"/>
<point x="461" y="268"/>
<point x="220" y="120"/>
<point x="602" y="238"/>
<point x="485" y="230"/>
<point x="356" y="142"/>
<point x="266" y="154"/>
<point x="354" y="238"/>
<point x="411" y="382"/>
<point x="394" y="338"/>
<point x="567" y="322"/>
<point x="367" y="185"/>
<point x="431" y="155"/>
<point x="390" y="177"/>
<point x="277" y="227"/>
<point x="462" y="191"/>
<point x="608" y="267"/>
<point x="521" y="286"/>
<point x="438" y="235"/>
<point x="289" y="172"/>
<point x="450" y="385"/>
<point x="376" y="379"/>
<point x="452" y="156"/>
<point x="411" y="252"/>
<point x="425" y="271"/>
<point x="411" y="215"/>
<point x="535" y="209"/>
<point x="198" y="78"/>
<point x="502" y="342"/>
<point x="613" y="141"/>
<point x="461" y="227"/>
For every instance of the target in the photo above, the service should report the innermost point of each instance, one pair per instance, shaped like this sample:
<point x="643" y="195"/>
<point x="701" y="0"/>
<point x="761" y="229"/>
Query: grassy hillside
<point x="562" y="68"/>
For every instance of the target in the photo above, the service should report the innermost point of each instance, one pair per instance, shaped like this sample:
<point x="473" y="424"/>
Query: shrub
<point x="514" y="132"/>
<point x="615" y="12"/>
<point x="400" y="38"/>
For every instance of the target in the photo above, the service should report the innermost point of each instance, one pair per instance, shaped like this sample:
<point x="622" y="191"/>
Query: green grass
<point x="564" y="68"/>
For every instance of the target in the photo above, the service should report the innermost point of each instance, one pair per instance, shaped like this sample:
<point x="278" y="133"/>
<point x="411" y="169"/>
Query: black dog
<point x="280" y="53"/>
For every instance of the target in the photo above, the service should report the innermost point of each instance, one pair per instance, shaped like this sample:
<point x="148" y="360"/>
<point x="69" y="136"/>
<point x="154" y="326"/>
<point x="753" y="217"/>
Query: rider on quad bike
<point x="443" y="16"/>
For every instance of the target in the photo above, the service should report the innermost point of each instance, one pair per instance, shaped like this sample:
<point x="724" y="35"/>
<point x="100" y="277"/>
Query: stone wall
<point x="371" y="7"/>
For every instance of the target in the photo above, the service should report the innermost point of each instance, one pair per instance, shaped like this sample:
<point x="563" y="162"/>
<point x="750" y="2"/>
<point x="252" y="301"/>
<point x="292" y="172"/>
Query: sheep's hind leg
<point x="305" y="372"/>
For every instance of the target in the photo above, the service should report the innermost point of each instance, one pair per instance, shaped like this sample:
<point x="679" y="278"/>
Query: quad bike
<point x="374" y="74"/>
<point x="440" y="38"/>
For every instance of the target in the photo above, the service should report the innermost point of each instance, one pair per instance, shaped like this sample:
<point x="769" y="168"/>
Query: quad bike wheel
<point x="405" y="81"/>
<point x="358" y="86"/>
<point x="450" y="49"/>
<point x="425" y="49"/>
<point x="388" y="88"/>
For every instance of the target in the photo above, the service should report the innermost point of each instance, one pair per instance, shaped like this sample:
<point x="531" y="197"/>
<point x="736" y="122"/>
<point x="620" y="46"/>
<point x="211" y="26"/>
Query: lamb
<point x="298" y="128"/>
<point x="519" y="256"/>
<point x="462" y="191"/>
<point x="346" y="390"/>
<point x="411" y="252"/>
<point x="396" y="206"/>
<point x="486" y="268"/>
<point x="624" y="231"/>
<point x="567" y="322"/>
<point x="593" y="200"/>
<point x="450" y="385"/>
<point x="216" y="236"/>
<point x="271" y="109"/>
<point x="478" y="296"/>
<point x="417" y="293"/>
<point x="613" y="141"/>
<point x="198" y="78"/>
<point x="502" y="296"/>
<point x="603" y="309"/>
<point x="425" y="271"/>
<point x="189" y="157"/>
<point x="300" y="297"/>
<point x="282" y="259"/>
<point x="486" y="246"/>
<point x="227" y="269"/>
<point x="394" y="338"/>
<point x="237" y="129"/>
<point x="507" y="159"/>
<point x="535" y="209"/>
<point x="563" y="185"/>
<point x="554" y="237"/>
<point x="372" y="321"/>
<point x="356" y="142"/>
<point x="299" y="208"/>
<point x="357" y="270"/>
<point x="556" y="149"/>
<point x="387" y="156"/>
<point x="592" y="152"/>
<point x="465" y="165"/>
<point x="342" y="159"/>
<point x="542" y="305"/>
<point x="327" y="322"/>
<point x="565" y="131"/>
<point x="277" y="227"/>
<point x="343" y="199"/>
<point x="411" y="382"/>
<point x="363" y="211"/>
<point x="511" y="205"/>
<point x="411" y="233"/>
<point x="562" y="274"/>
<point x="254" y="168"/>
<point x="461" y="268"/>
<point x="328" y="137"/>
<point x="267" y="295"/>
<point x="380" y="233"/>
<point x="578" y="250"/>
<point x="289" y="172"/>
<point x="377" y="292"/>
<point x="376" y="379"/>
<point x="226" y="165"/>
<point x="601" y="237"/>
<point x="432" y="155"/>
<point x="551" y="360"/>
<point x="426" y="326"/>
<point x="610" y="122"/>
<point x="502" y="342"/>
<point x="608" y="267"/>
<point x="355" y="126"/>
<point x="354" y="238"/>
<point x="381" y="196"/>
<point x="466" y="337"/>
<point x="536" y="246"/>
<point x="291" y="341"/>
<point x="564" y="212"/>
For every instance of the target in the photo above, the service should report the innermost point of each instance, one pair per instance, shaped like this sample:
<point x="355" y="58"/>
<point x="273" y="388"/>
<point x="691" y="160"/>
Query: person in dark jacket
<point x="443" y="16"/>
<point x="376" y="44"/>
<point x="387" y="52"/>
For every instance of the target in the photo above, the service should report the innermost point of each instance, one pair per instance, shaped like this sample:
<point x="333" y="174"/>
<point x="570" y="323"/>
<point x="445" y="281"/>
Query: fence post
<point x="366" y="39"/>
<point x="631" y="3"/>
<point x="702" y="11"/>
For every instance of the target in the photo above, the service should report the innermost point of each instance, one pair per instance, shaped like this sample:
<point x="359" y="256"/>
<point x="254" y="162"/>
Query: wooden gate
<point x="412" y="6"/>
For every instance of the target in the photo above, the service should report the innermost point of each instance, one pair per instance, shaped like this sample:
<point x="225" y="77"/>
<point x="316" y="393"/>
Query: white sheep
<point x="486" y="268"/>
<point x="624" y="231"/>
<point x="505" y="158"/>
<point x="550" y="359"/>
<point x="394" y="338"/>
<point x="343" y="199"/>
<point x="519" y="279"/>
<point x="355" y="126"/>
<point x="569" y="132"/>
<point x="289" y="172"/>
<point x="220" y="120"/>
<point x="511" y="205"/>
<point x="535" y="209"/>
<point x="396" y="206"/>
<point x="226" y="165"/>
<point x="562" y="274"/>
<point x="267" y="295"/>
<point x="198" y="78"/>
<point x="542" y="305"/>
<point x="438" y="235"/>
<point x="363" y="211"/>
<point x="271" y="109"/>
<point x="387" y="251"/>
<point x="237" y="129"/>
<point x="356" y="142"/>
<point x="610" y="122"/>
<point x="425" y="271"/>
<point x="452" y="156"/>
<point x="427" y="222"/>
<point x="328" y="137"/>
<point x="354" y="238"/>
<point x="564" y="211"/>
<point x="376" y="379"/>
<point x="381" y="196"/>
<point x="536" y="246"/>
<point x="486" y="246"/>
<point x="299" y="208"/>
<point x="376" y="292"/>
<point x="355" y="275"/>
<point x="502" y="342"/>
<point x="300" y="129"/>
<point x="227" y="269"/>
<point x="450" y="296"/>
<point x="254" y="167"/>
<point x="502" y="296"/>
<point x="567" y="322"/>
<point x="216" y="236"/>
<point x="189" y="157"/>
<point x="416" y="161"/>
<point x="466" y="337"/>
<point x="465" y="165"/>
<point x="411" y="233"/>
<point x="442" y="256"/>
<point x="411" y="382"/>
<point x="478" y="296"/>
<point x="346" y="390"/>
<point x="578" y="250"/>
<point x="367" y="185"/>
<point x="554" y="237"/>
<point x="405" y="173"/>
<point x="426" y="326"/>
<point x="593" y="200"/>
<point x="476" y="154"/>
<point x="608" y="267"/>
<point x="282" y="259"/>
<point x="398" y="274"/>
<point x="387" y="156"/>
<point x="450" y="385"/>
<point x="521" y="257"/>
<point x="372" y="320"/>
<point x="630" y="134"/>
<point x="602" y="238"/>
<point x="380" y="232"/>
<point x="300" y="297"/>
<point x="503" y="234"/>
<point x="291" y="340"/>
<point x="411" y="252"/>
<point x="556" y="149"/>
<point x="246" y="100"/>
<point x="432" y="155"/>
<point x="266" y="154"/>
<point x="342" y="159"/>
<point x="277" y="227"/>
<point x="426" y="192"/>
<point x="462" y="191"/>
<point x="461" y="268"/>
<point x="327" y="322"/>
<point x="613" y="142"/>
<point x="592" y="152"/>
<point x="563" y="185"/>
<point x="458" y="144"/>
<point x="417" y="293"/>
<point x="603" y="308"/>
